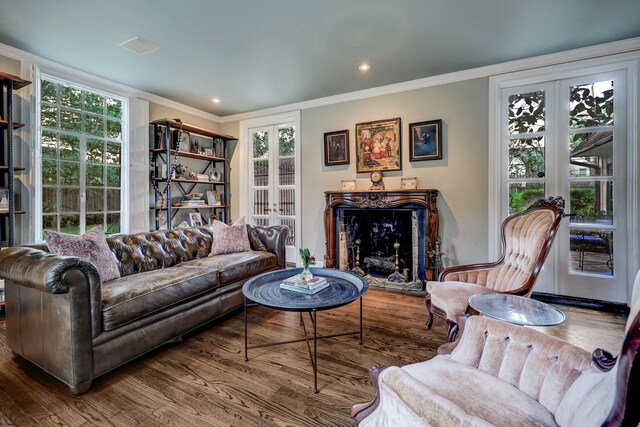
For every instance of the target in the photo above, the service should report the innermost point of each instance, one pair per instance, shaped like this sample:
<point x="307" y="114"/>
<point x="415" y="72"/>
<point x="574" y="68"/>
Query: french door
<point x="274" y="179"/>
<point x="568" y="137"/>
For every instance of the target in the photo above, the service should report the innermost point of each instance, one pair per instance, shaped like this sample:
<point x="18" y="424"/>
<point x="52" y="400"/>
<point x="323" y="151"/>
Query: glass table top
<point x="516" y="309"/>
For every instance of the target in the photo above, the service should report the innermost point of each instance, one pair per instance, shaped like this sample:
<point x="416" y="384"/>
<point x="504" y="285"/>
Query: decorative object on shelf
<point x="425" y="141"/>
<point x="195" y="146"/>
<point x="208" y="151"/>
<point x="376" y="181"/>
<point x="409" y="183"/>
<point x="336" y="148"/>
<point x="378" y="145"/>
<point x="213" y="198"/>
<point x="176" y="204"/>
<point x="193" y="175"/>
<point x="348" y="184"/>
<point x="184" y="140"/>
<point x="307" y="260"/>
<point x="162" y="203"/>
<point x="215" y="175"/>
<point x="193" y="199"/>
<point x="195" y="219"/>
<point x="180" y="170"/>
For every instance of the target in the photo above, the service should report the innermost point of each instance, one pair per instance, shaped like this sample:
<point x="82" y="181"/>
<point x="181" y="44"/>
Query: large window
<point x="82" y="137"/>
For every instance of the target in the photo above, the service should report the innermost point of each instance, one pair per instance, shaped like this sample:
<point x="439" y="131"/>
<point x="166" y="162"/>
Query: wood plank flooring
<point x="204" y="381"/>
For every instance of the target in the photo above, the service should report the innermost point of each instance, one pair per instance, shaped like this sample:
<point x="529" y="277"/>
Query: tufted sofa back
<point x="140" y="252"/>
<point x="543" y="369"/>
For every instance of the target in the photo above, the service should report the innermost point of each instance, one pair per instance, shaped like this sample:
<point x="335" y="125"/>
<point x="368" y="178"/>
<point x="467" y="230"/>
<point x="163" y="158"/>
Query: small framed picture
<point x="425" y="141"/>
<point x="4" y="199"/>
<point x="213" y="198"/>
<point x="409" y="183"/>
<point x="336" y="148"/>
<point x="195" y="219"/>
<point x="348" y="184"/>
<point x="208" y="151"/>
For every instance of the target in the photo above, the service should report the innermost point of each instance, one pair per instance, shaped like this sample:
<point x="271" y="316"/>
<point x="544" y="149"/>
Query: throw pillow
<point x="229" y="239"/>
<point x="91" y="246"/>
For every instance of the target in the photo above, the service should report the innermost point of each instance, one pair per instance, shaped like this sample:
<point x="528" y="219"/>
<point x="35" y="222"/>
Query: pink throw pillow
<point x="229" y="239"/>
<point x="91" y="246"/>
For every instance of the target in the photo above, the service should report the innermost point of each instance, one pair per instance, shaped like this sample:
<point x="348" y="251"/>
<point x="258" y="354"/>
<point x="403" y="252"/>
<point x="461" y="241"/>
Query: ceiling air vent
<point x="139" y="45"/>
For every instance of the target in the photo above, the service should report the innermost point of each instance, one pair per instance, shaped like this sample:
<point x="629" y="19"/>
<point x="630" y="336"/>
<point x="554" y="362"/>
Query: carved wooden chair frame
<point x="554" y="204"/>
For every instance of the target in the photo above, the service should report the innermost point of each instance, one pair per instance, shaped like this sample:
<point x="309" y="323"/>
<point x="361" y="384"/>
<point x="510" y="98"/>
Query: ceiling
<point x="256" y="54"/>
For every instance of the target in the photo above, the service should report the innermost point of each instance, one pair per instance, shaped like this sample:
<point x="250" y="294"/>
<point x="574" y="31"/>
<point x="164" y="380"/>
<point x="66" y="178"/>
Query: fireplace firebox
<point x="382" y="233"/>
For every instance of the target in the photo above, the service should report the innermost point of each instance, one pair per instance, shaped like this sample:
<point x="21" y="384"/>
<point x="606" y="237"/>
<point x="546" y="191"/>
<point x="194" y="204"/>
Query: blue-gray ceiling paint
<point x="255" y="54"/>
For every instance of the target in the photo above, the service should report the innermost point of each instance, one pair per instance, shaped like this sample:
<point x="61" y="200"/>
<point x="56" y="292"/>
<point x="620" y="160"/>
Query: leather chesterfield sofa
<point x="62" y="318"/>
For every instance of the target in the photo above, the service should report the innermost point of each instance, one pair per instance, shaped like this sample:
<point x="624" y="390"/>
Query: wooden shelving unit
<point x="163" y="153"/>
<point x="9" y="83"/>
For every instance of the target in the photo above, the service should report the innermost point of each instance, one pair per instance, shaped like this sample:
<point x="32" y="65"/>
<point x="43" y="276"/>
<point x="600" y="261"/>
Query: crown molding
<point x="606" y="49"/>
<point x="81" y="77"/>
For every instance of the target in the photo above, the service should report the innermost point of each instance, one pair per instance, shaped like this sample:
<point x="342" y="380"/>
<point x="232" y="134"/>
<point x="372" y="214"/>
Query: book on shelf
<point x="1" y="295"/>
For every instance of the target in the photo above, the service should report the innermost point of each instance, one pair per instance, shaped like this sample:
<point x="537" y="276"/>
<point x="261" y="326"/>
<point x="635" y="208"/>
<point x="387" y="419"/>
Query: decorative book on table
<point x="310" y="287"/>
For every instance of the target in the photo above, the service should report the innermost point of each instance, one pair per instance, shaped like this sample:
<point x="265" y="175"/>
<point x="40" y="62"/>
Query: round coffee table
<point x="516" y="309"/>
<point x="344" y="288"/>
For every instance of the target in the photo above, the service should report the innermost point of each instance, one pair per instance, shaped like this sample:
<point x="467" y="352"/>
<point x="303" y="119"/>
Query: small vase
<point x="306" y="274"/>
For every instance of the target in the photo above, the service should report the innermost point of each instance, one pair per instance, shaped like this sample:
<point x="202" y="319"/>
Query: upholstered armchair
<point x="506" y="375"/>
<point x="526" y="240"/>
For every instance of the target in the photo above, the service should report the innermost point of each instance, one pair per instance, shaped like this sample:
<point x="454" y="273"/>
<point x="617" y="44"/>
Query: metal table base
<point x="313" y="355"/>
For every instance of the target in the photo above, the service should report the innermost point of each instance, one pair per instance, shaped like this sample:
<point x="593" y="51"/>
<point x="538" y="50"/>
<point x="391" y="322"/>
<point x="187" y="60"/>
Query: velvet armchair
<point x="499" y="374"/>
<point x="526" y="240"/>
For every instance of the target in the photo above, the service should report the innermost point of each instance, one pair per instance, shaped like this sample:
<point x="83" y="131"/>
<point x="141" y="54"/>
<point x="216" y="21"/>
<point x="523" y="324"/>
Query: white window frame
<point x="629" y="63"/>
<point x="244" y="156"/>
<point x="37" y="160"/>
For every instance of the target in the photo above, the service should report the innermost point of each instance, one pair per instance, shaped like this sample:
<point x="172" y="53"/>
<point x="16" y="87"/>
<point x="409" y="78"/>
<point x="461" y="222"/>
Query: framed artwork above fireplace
<point x="378" y="146"/>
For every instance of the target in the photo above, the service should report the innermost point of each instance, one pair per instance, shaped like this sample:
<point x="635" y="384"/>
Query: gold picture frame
<point x="379" y="146"/>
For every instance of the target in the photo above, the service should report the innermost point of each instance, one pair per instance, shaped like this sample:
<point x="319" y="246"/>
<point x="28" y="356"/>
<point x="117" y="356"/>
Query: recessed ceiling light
<point x="139" y="45"/>
<point x="364" y="67"/>
<point x="216" y="100"/>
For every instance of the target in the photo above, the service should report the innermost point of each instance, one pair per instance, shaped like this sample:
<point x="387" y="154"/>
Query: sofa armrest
<point x="56" y="274"/>
<point x="542" y="366"/>
<point x="270" y="238"/>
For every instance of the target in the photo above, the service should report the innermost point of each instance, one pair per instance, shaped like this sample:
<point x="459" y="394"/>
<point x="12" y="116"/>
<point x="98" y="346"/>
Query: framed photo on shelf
<point x="425" y="141"/>
<point x="208" y="151"/>
<point x="195" y="219"/>
<point x="213" y="198"/>
<point x="336" y="148"/>
<point x="409" y="183"/>
<point x="4" y="199"/>
<point x="378" y="146"/>
<point x="348" y="184"/>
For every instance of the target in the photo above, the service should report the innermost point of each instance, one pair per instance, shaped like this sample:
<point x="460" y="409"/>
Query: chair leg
<point x="428" y="303"/>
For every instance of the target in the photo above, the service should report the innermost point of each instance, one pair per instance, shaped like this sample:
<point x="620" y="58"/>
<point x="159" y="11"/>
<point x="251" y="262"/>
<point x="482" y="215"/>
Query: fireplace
<point x="366" y="229"/>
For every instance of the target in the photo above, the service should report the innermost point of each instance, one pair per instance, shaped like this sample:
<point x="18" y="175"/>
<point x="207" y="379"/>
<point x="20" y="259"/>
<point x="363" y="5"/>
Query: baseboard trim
<point x="592" y="304"/>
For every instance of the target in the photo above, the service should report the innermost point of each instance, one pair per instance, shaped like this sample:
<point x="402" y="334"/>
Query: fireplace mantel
<point x="379" y="199"/>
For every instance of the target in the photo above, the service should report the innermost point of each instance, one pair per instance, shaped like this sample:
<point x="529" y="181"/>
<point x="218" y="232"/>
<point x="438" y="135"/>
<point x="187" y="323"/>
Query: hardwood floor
<point x="204" y="381"/>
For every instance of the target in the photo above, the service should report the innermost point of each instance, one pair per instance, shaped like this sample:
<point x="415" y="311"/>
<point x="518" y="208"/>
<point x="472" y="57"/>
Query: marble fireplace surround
<point x="419" y="200"/>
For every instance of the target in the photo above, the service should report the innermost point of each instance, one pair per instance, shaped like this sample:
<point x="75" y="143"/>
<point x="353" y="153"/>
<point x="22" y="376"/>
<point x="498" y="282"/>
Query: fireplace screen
<point x="370" y="238"/>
